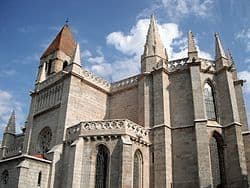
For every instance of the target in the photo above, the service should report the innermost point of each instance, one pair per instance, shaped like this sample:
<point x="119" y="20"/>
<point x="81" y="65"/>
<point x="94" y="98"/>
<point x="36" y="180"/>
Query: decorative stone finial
<point x="219" y="51"/>
<point x="11" y="126"/>
<point x="230" y="58"/>
<point x="77" y="55"/>
<point x="154" y="45"/>
<point x="191" y="43"/>
<point x="192" y="50"/>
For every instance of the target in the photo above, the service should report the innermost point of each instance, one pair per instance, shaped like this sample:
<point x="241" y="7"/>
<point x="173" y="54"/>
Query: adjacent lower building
<point x="178" y="124"/>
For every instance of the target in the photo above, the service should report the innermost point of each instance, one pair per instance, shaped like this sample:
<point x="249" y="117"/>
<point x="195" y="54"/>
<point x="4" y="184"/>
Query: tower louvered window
<point x="49" y="67"/>
<point x="209" y="102"/>
<point x="65" y="64"/>
<point x="137" y="170"/>
<point x="102" y="161"/>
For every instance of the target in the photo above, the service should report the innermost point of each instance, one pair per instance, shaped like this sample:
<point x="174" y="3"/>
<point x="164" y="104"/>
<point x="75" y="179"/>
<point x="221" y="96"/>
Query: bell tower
<point x="50" y="95"/>
<point x="58" y="55"/>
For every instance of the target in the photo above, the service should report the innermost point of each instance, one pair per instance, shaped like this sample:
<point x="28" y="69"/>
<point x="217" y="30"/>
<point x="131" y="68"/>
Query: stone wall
<point x="85" y="102"/>
<point x="181" y="105"/>
<point x="80" y="162"/>
<point x="124" y="105"/>
<point x="49" y="119"/>
<point x="161" y="170"/>
<point x="185" y="165"/>
<point x="246" y="139"/>
<point x="13" y="171"/>
<point x="24" y="171"/>
<point x="29" y="173"/>
<point x="235" y="157"/>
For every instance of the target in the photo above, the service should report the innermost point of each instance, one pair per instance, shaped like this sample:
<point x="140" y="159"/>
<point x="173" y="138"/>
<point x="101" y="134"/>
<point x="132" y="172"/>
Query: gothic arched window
<point x="217" y="160"/>
<point x="102" y="162"/>
<point x="209" y="102"/>
<point x="137" y="170"/>
<point x="44" y="139"/>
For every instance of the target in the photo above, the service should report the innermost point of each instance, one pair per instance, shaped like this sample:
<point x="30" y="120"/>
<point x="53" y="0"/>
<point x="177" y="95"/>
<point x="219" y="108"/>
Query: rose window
<point x="45" y="138"/>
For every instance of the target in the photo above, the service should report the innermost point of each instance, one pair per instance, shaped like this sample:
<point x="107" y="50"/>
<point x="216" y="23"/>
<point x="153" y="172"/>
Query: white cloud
<point x="245" y="75"/>
<point x="96" y="60"/>
<point x="244" y="36"/>
<point x="104" y="69"/>
<point x="186" y="7"/>
<point x="132" y="44"/>
<point x="26" y="29"/>
<point x="86" y="54"/>
<point x="117" y="70"/>
<point x="177" y="9"/>
<point x="245" y="33"/>
<point x="34" y="58"/>
<point x="124" y="68"/>
<point x="247" y="60"/>
<point x="7" y="104"/>
<point x="96" y="63"/>
<point x="131" y="47"/>
<point x="8" y="72"/>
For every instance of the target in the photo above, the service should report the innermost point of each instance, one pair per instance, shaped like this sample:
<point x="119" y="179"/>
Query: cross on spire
<point x="67" y="21"/>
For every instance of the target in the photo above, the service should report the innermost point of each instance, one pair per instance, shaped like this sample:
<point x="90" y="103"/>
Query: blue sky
<point x="111" y="34"/>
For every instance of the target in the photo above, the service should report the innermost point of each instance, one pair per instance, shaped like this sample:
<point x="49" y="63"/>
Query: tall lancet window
<point x="217" y="160"/>
<point x="209" y="102"/>
<point x="102" y="162"/>
<point x="137" y="170"/>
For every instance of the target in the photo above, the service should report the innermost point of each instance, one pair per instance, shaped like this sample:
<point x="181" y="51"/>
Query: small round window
<point x="44" y="139"/>
<point x="5" y="177"/>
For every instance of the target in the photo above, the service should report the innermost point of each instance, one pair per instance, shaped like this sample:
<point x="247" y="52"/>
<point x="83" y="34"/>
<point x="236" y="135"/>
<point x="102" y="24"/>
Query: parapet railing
<point x="96" y="79"/>
<point x="178" y="64"/>
<point x="131" y="81"/>
<point x="13" y="151"/>
<point x="112" y="127"/>
<point x="50" y="79"/>
<point x="207" y="64"/>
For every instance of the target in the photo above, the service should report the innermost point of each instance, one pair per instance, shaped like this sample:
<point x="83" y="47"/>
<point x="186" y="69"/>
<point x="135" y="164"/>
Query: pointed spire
<point x="191" y="43"/>
<point x="41" y="73"/>
<point x="11" y="126"/>
<point x="77" y="55"/>
<point x="154" y="45"/>
<point x="230" y="58"/>
<point x="64" y="41"/>
<point x="219" y="51"/>
<point x="192" y="49"/>
<point x="232" y="65"/>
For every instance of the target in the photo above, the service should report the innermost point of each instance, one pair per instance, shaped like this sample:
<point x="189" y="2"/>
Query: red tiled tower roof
<point x="64" y="41"/>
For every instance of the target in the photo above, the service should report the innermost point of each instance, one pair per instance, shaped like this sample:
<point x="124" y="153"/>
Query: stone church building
<point x="178" y="124"/>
